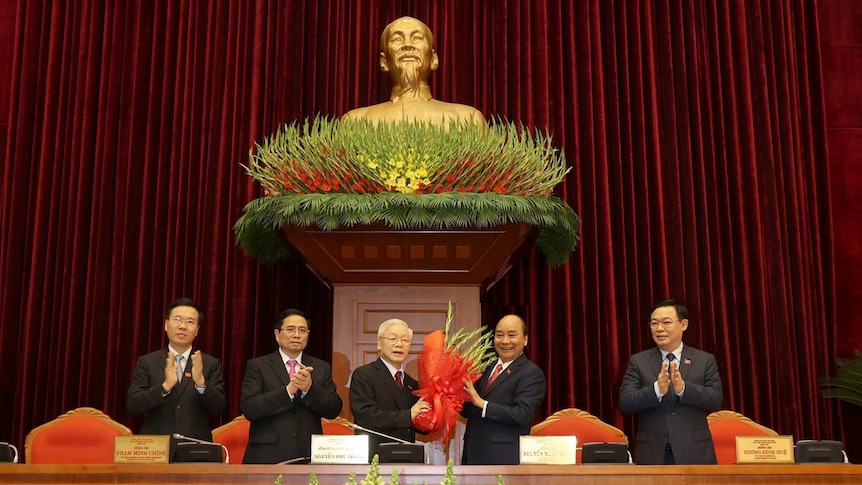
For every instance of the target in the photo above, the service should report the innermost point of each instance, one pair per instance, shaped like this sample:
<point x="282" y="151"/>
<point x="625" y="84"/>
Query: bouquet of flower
<point x="444" y="363"/>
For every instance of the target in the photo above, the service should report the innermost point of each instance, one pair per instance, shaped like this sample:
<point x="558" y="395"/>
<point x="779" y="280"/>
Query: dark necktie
<point x="497" y="371"/>
<point x="398" y="381"/>
<point x="670" y="358"/>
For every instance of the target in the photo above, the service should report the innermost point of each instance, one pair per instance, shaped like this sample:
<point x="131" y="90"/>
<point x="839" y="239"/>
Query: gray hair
<point x="392" y="321"/>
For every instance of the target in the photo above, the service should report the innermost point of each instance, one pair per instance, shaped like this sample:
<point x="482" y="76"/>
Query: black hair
<point x="287" y="313"/>
<point x="681" y="310"/>
<point x="185" y="302"/>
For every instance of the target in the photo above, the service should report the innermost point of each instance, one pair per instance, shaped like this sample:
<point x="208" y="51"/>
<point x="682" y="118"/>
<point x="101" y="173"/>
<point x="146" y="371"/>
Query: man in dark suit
<point x="178" y="386"/>
<point x="504" y="400"/>
<point x="285" y="394"/>
<point x="672" y="388"/>
<point x="381" y="393"/>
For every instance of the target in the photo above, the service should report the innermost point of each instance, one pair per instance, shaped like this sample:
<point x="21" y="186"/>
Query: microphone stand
<point x="178" y="436"/>
<point x="384" y="435"/>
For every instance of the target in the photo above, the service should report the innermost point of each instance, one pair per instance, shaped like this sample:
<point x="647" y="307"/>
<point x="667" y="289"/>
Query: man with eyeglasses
<point x="381" y="393"/>
<point x="285" y="394"/>
<point x="672" y="388"/>
<point x="178" y="387"/>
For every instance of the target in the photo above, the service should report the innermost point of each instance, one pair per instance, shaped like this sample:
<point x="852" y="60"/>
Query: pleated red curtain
<point x="694" y="130"/>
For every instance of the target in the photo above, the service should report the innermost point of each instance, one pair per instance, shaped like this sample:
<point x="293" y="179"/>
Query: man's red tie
<point x="497" y="371"/>
<point x="398" y="380"/>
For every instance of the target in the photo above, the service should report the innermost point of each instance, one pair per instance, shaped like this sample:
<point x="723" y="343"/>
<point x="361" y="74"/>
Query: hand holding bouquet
<point x="444" y="362"/>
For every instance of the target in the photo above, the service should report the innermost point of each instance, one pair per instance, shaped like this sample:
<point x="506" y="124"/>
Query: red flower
<point x="441" y="383"/>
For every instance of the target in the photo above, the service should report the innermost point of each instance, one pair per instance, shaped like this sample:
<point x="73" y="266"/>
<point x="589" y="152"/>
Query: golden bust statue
<point x="407" y="54"/>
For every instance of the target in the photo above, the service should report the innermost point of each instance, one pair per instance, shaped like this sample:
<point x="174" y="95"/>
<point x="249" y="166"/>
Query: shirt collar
<point x="285" y="357"/>
<point x="185" y="354"/>
<point x="677" y="352"/>
<point x="391" y="367"/>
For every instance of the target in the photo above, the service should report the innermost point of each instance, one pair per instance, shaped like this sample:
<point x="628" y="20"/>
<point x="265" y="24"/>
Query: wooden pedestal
<point x="378" y="272"/>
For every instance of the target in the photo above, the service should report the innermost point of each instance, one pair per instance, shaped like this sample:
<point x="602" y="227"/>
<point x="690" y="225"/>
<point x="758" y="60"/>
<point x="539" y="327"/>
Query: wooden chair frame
<point x="82" y="411"/>
<point x="577" y="413"/>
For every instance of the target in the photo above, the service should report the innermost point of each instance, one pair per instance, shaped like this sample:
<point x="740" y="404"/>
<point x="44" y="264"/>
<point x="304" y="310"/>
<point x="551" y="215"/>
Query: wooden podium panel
<point x="379" y="272"/>
<point x="185" y="474"/>
<point x="379" y="254"/>
<point x="359" y="309"/>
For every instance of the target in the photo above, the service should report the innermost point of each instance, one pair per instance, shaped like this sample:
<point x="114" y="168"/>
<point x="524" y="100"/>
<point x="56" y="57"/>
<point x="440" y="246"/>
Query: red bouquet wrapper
<point x="442" y="372"/>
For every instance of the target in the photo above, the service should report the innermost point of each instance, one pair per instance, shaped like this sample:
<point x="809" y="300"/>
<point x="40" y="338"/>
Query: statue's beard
<point x="410" y="78"/>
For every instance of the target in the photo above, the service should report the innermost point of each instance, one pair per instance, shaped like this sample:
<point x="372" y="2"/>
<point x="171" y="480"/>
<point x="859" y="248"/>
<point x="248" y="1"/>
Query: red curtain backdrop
<point x="695" y="132"/>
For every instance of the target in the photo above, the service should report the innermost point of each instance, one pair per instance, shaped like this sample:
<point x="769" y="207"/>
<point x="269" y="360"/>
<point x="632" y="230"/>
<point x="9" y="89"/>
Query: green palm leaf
<point x="847" y="385"/>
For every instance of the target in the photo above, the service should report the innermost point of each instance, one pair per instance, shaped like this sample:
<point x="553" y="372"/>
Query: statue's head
<point x="407" y="51"/>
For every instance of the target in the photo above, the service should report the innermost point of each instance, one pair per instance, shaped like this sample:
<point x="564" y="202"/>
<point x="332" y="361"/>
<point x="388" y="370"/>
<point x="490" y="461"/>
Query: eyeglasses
<point x="663" y="323"/>
<point x="190" y="322"/>
<point x="293" y="330"/>
<point x="395" y="340"/>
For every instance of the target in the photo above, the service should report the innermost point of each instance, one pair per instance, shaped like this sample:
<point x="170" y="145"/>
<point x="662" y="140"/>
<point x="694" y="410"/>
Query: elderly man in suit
<point x="504" y="400"/>
<point x="672" y="387"/>
<point x="178" y="386"/>
<point x="381" y="393"/>
<point x="285" y="394"/>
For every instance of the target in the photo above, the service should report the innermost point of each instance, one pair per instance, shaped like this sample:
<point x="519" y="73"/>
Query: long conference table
<point x="184" y="474"/>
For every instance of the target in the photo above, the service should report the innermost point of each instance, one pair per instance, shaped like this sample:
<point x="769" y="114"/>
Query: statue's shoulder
<point x="461" y="111"/>
<point x="366" y="112"/>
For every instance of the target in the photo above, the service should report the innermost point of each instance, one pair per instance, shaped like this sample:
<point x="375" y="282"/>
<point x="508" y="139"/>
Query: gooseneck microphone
<point x="178" y="436"/>
<point x="427" y="458"/>
<point x="378" y="433"/>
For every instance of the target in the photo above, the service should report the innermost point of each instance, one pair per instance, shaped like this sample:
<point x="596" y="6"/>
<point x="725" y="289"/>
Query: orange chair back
<point x="83" y="435"/>
<point x="575" y="422"/>
<point x="234" y="436"/>
<point x="725" y="426"/>
<point x="338" y="425"/>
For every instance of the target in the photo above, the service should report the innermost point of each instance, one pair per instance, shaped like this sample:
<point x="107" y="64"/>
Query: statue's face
<point x="409" y="46"/>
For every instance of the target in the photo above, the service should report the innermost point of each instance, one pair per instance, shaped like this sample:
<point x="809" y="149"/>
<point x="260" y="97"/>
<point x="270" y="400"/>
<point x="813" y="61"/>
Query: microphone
<point x="425" y="455"/>
<point x="178" y="436"/>
<point x="298" y="459"/>
<point x="378" y="433"/>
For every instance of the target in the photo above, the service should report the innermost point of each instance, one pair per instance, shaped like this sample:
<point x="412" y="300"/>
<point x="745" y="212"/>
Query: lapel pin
<point x="508" y="372"/>
<point x="686" y="361"/>
<point x="187" y="374"/>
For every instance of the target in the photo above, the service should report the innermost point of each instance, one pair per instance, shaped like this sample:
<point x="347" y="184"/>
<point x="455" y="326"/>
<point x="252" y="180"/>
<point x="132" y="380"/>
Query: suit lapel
<point x="655" y="362"/>
<point x="278" y="367"/>
<point x="687" y="361"/>
<point x="187" y="372"/>
<point x="507" y="372"/>
<point x="385" y="376"/>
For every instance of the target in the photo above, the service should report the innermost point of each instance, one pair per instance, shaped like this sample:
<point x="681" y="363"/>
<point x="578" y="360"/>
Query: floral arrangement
<point x="408" y="175"/>
<point x="373" y="476"/>
<point x="445" y="361"/>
